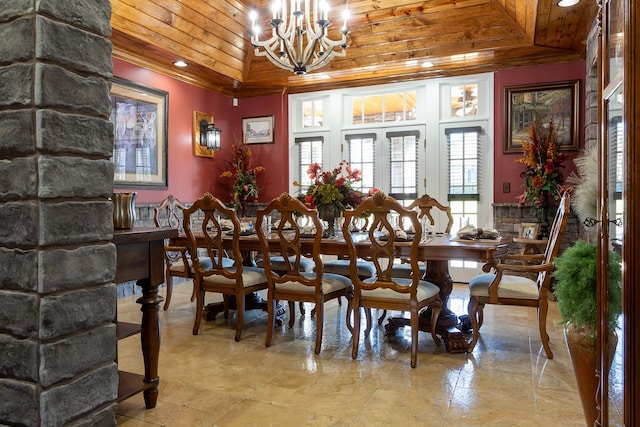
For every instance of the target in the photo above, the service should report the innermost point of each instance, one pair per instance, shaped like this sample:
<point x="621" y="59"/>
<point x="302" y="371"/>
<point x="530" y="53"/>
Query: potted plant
<point x="576" y="291"/>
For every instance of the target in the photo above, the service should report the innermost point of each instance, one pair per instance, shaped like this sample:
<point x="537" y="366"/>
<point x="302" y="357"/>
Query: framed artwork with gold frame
<point x="200" y="150"/>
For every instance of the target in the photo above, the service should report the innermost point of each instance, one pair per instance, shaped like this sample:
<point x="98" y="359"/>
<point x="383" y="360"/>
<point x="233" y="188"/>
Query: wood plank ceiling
<point x="389" y="41"/>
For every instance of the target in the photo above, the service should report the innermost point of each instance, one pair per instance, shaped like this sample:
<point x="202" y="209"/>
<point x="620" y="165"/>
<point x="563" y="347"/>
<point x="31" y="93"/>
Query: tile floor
<point x="211" y="380"/>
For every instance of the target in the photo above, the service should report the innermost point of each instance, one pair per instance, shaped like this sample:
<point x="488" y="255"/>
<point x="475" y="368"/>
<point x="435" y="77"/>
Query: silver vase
<point x="124" y="210"/>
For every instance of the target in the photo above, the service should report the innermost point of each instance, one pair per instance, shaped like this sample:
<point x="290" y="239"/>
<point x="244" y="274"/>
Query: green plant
<point x="576" y="289"/>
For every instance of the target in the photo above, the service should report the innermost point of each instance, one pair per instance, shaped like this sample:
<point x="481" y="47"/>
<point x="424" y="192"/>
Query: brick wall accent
<point x="507" y="218"/>
<point x="55" y="217"/>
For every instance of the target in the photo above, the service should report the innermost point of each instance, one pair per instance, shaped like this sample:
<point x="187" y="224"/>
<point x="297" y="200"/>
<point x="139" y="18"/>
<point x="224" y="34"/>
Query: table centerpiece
<point x="331" y="192"/>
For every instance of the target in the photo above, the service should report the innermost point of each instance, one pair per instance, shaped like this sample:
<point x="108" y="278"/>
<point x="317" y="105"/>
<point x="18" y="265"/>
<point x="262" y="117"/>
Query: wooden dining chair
<point x="237" y="280"/>
<point x="169" y="213"/>
<point x="423" y="205"/>
<point x="294" y="284"/>
<point x="383" y="291"/>
<point x="517" y="289"/>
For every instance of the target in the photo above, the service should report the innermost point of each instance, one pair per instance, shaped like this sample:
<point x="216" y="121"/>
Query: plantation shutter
<point x="464" y="160"/>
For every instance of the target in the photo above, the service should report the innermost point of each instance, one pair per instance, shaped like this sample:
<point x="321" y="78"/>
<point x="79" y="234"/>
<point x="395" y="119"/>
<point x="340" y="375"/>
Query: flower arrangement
<point x="332" y="191"/>
<point x="243" y="178"/>
<point x="543" y="179"/>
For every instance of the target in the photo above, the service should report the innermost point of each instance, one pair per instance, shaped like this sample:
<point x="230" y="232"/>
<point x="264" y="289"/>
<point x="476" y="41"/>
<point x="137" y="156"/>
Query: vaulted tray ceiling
<point x="389" y="41"/>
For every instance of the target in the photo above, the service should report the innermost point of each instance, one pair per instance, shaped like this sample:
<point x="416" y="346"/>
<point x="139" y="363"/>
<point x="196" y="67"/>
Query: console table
<point x="140" y="257"/>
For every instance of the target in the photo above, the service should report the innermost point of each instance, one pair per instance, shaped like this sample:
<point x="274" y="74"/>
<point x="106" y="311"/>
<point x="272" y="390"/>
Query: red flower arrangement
<point x="242" y="177"/>
<point x="332" y="191"/>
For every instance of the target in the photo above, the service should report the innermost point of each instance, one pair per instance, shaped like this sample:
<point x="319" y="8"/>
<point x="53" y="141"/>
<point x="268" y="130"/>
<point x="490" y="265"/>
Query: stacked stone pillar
<point x="57" y="262"/>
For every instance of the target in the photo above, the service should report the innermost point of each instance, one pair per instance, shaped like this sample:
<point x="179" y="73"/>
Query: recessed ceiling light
<point x="180" y="64"/>
<point x="427" y="64"/>
<point x="568" y="3"/>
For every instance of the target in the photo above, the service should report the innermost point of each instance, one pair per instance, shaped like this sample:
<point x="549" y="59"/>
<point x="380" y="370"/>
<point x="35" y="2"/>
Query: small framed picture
<point x="257" y="130"/>
<point x="529" y="231"/>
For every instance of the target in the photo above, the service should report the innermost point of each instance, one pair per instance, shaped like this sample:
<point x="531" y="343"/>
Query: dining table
<point x="435" y="250"/>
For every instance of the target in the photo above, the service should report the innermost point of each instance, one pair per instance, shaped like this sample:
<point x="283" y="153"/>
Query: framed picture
<point x="529" y="230"/>
<point x="258" y="130"/>
<point x="139" y="118"/>
<point x="543" y="102"/>
<point x="199" y="150"/>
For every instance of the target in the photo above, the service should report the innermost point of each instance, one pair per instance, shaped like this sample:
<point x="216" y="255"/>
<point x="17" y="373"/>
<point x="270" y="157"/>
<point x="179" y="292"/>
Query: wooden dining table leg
<point x="437" y="272"/>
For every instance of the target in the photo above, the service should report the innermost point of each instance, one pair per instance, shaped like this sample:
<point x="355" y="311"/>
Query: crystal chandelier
<point x="307" y="24"/>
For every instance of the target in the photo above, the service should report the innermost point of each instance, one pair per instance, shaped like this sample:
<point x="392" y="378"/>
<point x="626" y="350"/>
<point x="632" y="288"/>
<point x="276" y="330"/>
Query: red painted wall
<point x="189" y="176"/>
<point x="506" y="169"/>
<point x="274" y="157"/>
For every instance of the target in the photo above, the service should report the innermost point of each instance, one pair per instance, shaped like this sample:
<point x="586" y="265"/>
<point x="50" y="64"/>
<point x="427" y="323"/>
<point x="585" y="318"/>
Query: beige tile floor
<point x="211" y="380"/>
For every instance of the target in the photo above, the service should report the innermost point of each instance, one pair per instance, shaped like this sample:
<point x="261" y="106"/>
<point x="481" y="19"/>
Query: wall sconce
<point x="209" y="135"/>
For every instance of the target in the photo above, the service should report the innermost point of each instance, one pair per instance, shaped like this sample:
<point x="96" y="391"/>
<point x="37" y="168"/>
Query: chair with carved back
<point x="169" y="213"/>
<point x="423" y="205"/>
<point x="237" y="280"/>
<point x="383" y="291"/>
<point x="515" y="289"/>
<point x="294" y="283"/>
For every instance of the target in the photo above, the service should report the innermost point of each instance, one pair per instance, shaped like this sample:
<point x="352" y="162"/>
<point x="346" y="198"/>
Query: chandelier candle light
<point x="286" y="47"/>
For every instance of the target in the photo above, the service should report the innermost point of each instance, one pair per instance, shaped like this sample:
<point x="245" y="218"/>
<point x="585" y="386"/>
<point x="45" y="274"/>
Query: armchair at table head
<point x="383" y="290"/>
<point x="215" y="275"/>
<point x="505" y="289"/>
<point x="293" y="283"/>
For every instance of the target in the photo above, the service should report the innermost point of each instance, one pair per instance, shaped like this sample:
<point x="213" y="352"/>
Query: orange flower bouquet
<point x="243" y="178"/>
<point x="543" y="178"/>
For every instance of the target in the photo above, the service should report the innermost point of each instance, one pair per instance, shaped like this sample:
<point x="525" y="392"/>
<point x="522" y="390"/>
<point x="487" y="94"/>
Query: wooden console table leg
<point x="150" y="339"/>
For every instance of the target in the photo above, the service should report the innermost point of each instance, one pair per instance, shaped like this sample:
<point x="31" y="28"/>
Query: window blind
<point x="464" y="159"/>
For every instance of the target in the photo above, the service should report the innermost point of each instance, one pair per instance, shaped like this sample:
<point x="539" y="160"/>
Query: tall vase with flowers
<point x="242" y="177"/>
<point x="331" y="192"/>
<point x="543" y="178"/>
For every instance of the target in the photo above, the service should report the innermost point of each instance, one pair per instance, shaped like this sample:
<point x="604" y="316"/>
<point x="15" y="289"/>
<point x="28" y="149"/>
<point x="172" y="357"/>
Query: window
<point x="464" y="155"/>
<point x="390" y="107"/>
<point x="464" y="100"/>
<point x="464" y="177"/>
<point x="463" y="152"/>
<point x="403" y="168"/>
<point x="616" y="168"/>
<point x="361" y="151"/>
<point x="312" y="113"/>
<point x="310" y="151"/>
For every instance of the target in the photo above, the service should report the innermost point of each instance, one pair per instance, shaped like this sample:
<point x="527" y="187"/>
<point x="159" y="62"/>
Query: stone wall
<point x="56" y="254"/>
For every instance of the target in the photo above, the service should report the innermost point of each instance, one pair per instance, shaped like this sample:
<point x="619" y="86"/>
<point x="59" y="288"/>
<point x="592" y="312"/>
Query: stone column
<point x="57" y="262"/>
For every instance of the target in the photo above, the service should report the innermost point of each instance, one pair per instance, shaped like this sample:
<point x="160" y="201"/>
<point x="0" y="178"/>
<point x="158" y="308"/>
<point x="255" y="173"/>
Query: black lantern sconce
<point x="209" y="135"/>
